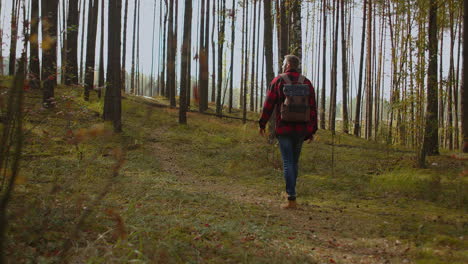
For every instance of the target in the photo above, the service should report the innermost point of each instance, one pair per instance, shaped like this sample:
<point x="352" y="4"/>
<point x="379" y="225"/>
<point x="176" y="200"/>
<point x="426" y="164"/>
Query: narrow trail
<point x="319" y="226"/>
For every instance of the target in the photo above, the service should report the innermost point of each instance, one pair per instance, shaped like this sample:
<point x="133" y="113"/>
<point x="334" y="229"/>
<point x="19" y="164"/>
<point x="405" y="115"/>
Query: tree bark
<point x="344" y="57"/>
<point x="464" y="92"/>
<point x="334" y="73"/>
<point x="170" y="64"/>
<point x="252" y="79"/>
<point x="132" y="77"/>
<point x="83" y="24"/>
<point x="324" y="64"/>
<point x="357" y="116"/>
<point x="184" y="76"/>
<point x="369" y="92"/>
<point x="49" y="52"/>
<point x="295" y="45"/>
<point x="34" y="65"/>
<point x="101" y="56"/>
<point x="91" y="47"/>
<point x="233" y="39"/>
<point x="113" y="100"/>
<point x="201" y="58"/>
<point x="14" y="36"/>
<point x="124" y="44"/>
<point x="221" y="38"/>
<point x="430" y="143"/>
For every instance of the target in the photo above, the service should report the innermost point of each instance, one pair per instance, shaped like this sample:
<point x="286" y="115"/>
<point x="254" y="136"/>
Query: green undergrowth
<point x="202" y="192"/>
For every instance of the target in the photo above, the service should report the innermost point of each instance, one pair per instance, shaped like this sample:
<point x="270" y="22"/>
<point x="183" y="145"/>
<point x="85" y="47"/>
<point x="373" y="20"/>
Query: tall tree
<point x="464" y="92"/>
<point x="213" y="57"/>
<point x="34" y="66"/>
<point x="246" y="65"/>
<point x="14" y="35"/>
<point x="204" y="88"/>
<point x="252" y="81"/>
<point x="221" y="37"/>
<point x="296" y="29"/>
<point x="344" y="60"/>
<point x="357" y="117"/>
<point x="201" y="58"/>
<point x="152" y="50"/>
<point x="1" y="41"/>
<point x="369" y="91"/>
<point x="49" y="10"/>
<point x="83" y="24"/>
<point x="185" y="76"/>
<point x="430" y="142"/>
<point x="164" y="51"/>
<point x="91" y="47"/>
<point x="334" y="70"/>
<point x="324" y="64"/>
<point x="101" y="55"/>
<point x="132" y="77"/>
<point x="268" y="57"/>
<point x="170" y="64"/>
<point x="113" y="97"/>
<point x="233" y="41"/>
<point x="124" y="48"/>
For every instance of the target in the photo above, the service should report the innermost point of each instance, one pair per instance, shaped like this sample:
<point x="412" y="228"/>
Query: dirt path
<point x="319" y="226"/>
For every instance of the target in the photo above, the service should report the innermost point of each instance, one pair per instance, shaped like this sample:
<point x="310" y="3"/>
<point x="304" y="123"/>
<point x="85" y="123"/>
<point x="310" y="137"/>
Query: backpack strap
<point x="285" y="78"/>
<point x="301" y="79"/>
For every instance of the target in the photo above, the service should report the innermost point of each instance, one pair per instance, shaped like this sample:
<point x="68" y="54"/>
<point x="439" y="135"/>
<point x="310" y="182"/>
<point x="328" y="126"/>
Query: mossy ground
<point x="209" y="192"/>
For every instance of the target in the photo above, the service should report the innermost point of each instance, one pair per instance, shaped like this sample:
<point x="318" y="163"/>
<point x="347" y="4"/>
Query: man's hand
<point x="310" y="140"/>
<point x="262" y="132"/>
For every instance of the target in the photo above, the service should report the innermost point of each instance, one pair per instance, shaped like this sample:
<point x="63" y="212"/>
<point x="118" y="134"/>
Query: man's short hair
<point x="293" y="61"/>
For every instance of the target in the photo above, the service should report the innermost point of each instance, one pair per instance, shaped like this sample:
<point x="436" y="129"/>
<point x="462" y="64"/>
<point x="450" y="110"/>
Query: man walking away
<point x="293" y="97"/>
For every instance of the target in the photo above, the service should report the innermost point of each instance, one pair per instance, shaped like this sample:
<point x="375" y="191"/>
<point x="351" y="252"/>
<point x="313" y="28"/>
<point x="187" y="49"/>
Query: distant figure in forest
<point x="293" y="97"/>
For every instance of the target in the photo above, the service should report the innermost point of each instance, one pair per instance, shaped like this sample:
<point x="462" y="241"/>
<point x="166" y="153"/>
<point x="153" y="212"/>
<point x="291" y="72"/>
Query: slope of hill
<point x="209" y="192"/>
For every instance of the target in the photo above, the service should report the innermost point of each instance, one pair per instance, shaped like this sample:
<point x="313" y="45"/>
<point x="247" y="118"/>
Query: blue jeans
<point x="290" y="147"/>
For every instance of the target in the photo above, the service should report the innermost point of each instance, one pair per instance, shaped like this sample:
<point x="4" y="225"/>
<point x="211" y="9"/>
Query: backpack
<point x="295" y="107"/>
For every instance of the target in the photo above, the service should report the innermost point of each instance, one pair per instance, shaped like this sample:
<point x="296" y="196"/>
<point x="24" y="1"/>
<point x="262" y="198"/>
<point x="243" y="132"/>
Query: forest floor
<point x="210" y="192"/>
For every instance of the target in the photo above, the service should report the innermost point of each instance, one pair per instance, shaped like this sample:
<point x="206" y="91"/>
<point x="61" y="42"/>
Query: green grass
<point x="208" y="192"/>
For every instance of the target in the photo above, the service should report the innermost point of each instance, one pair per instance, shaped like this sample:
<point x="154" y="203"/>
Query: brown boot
<point x="290" y="205"/>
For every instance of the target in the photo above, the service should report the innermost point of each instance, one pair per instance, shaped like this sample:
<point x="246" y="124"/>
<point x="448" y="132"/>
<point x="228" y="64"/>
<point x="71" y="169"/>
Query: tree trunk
<point x="132" y="77"/>
<point x="369" y="92"/>
<point x="221" y="37"/>
<point x="34" y="66"/>
<point x="334" y="73"/>
<point x="113" y="100"/>
<point x="152" y="50"/>
<point x="124" y="48"/>
<point x="14" y="36"/>
<point x="295" y="44"/>
<point x="344" y="56"/>
<point x="213" y="55"/>
<point x="83" y="24"/>
<point x="246" y="66"/>
<point x="170" y="64"/>
<point x="91" y="47"/>
<point x="268" y="44"/>
<point x="252" y="80"/>
<point x="233" y="39"/>
<point x="184" y="76"/>
<point x="201" y="58"/>
<point x="49" y="53"/>
<point x="464" y="93"/>
<point x="324" y="65"/>
<point x="357" y="116"/>
<point x="101" y="55"/>
<point x="163" y="73"/>
<point x="206" y="58"/>
<point x="430" y="143"/>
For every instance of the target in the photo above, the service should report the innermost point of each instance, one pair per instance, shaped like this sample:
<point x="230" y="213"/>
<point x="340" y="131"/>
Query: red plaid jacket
<point x="275" y="97"/>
